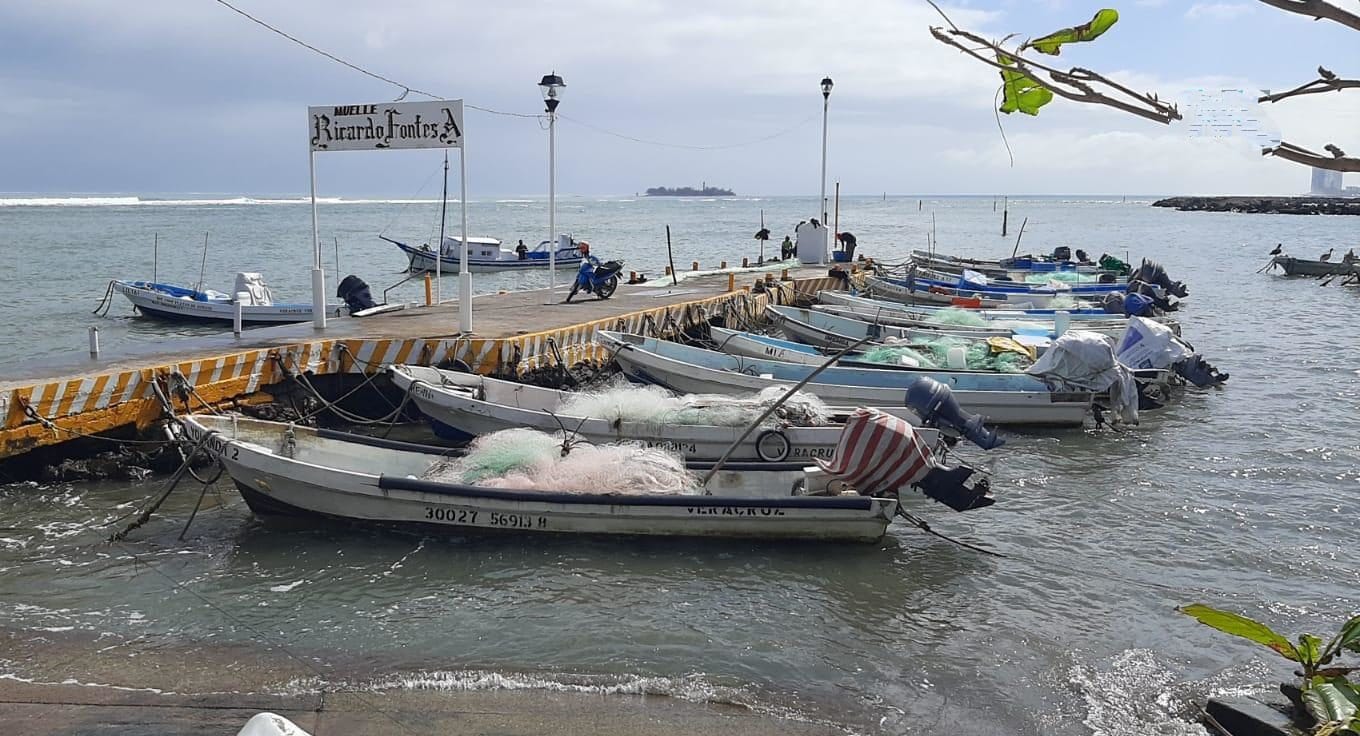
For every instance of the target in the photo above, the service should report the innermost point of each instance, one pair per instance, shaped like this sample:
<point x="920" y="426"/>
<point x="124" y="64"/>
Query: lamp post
<point x="552" y="86"/>
<point x="821" y="201"/>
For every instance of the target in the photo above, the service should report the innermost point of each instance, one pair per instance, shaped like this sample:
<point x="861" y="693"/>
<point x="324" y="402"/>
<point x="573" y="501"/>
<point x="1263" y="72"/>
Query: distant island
<point x="704" y="191"/>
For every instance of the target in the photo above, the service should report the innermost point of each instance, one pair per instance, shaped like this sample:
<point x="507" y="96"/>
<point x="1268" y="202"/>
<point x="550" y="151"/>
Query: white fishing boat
<point x="281" y="469"/>
<point x="184" y="304"/>
<point x="468" y="405"/>
<point x="487" y="255"/>
<point x="896" y="355"/>
<point x="999" y="398"/>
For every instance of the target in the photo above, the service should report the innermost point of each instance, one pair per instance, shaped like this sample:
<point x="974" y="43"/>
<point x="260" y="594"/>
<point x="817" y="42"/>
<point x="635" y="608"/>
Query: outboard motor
<point x="1197" y="370"/>
<point x="1138" y="305"/>
<point x="1082" y="257"/>
<point x="1152" y="272"/>
<point x="1062" y="253"/>
<point x="1157" y="294"/>
<point x="1113" y="303"/>
<point x="356" y="294"/>
<point x="949" y="487"/>
<point x="935" y="404"/>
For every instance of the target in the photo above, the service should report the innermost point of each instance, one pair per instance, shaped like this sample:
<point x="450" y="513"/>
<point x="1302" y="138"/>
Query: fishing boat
<point x="901" y="290"/>
<point x="999" y="398"/>
<point x="466" y="405"/>
<point x="185" y="304"/>
<point x="827" y="330"/>
<point x="285" y="470"/>
<point x="905" y="355"/>
<point x="1304" y="267"/>
<point x="969" y="279"/>
<point x="487" y="255"/>
<point x="867" y="306"/>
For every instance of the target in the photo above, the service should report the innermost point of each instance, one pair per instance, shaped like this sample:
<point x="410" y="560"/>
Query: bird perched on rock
<point x="1337" y="152"/>
<point x="1326" y="256"/>
<point x="1326" y="74"/>
<point x="1279" y="248"/>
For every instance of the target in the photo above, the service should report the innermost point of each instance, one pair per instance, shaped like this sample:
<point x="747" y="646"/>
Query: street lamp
<point x="827" y="84"/>
<point x="552" y="86"/>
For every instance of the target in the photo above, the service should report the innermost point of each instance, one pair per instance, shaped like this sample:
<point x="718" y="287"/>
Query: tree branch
<point x="1328" y="82"/>
<point x="1317" y="10"/>
<point x="1300" y="155"/>
<point x="1076" y="84"/>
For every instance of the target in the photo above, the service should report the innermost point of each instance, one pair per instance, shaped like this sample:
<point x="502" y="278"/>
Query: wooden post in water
<point x="1005" y="213"/>
<point x="155" y="256"/>
<point x="670" y="257"/>
<point x="762" y="240"/>
<point x="1021" y="235"/>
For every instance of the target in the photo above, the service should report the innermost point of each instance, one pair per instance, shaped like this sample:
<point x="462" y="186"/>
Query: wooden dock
<point x="47" y="405"/>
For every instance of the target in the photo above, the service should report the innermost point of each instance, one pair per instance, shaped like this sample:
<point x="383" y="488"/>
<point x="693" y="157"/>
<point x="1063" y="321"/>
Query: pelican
<point x="1326" y="256"/>
<point x="1279" y="248"/>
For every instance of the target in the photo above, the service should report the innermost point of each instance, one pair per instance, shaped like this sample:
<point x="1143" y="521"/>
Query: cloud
<point x="1218" y="11"/>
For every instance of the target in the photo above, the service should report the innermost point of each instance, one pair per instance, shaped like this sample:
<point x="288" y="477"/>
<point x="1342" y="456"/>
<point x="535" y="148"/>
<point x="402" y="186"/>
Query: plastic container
<point x="957" y="358"/>
<point x="1061" y="321"/>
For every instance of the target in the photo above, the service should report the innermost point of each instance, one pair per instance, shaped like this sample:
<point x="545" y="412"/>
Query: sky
<point x="185" y="96"/>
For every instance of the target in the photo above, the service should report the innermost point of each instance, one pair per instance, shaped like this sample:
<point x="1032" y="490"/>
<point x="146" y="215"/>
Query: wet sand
<point x="74" y="685"/>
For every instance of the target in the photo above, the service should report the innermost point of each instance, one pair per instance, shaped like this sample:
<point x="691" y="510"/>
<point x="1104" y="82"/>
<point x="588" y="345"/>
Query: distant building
<point x="1326" y="183"/>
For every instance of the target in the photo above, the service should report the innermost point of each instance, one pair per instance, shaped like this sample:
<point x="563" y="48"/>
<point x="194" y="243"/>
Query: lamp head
<point x="827" y="84"/>
<point x="552" y="86"/>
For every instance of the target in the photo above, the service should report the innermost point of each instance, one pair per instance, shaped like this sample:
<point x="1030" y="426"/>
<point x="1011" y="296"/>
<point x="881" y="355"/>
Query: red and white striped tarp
<point x="879" y="452"/>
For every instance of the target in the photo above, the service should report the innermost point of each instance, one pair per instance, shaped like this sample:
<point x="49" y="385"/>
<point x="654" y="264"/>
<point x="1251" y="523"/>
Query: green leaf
<point x="1231" y="623"/>
<point x="1052" y="43"/>
<point x="1332" y="700"/>
<point x="1347" y="638"/>
<point x="1309" y="649"/>
<point x="1020" y="92"/>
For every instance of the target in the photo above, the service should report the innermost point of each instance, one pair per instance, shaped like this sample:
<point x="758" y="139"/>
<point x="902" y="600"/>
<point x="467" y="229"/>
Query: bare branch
<point x="1077" y="84"/>
<point x="1299" y="155"/>
<point x="1317" y="10"/>
<point x="1326" y="82"/>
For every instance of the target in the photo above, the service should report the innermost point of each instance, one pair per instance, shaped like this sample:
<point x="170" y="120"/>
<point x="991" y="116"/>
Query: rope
<point x="49" y="424"/>
<point x="145" y="516"/>
<point x="921" y="524"/>
<point x="106" y="303"/>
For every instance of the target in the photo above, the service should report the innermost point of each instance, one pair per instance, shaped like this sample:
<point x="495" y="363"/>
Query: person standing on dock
<point x="848" y="244"/>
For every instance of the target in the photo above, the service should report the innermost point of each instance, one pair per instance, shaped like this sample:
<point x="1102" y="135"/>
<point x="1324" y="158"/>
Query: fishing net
<point x="953" y="316"/>
<point x="993" y="354"/>
<point x="622" y="401"/>
<point x="526" y="459"/>
<point x="1070" y="277"/>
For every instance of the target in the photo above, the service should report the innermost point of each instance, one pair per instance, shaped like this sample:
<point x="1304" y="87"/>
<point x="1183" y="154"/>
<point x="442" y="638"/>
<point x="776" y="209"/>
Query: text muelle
<point x="390" y="125"/>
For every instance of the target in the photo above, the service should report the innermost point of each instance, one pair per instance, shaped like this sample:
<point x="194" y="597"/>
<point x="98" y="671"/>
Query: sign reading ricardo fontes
<point x="385" y="125"/>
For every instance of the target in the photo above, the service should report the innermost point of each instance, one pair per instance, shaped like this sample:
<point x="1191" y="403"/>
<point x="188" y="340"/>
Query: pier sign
<point x="386" y="125"/>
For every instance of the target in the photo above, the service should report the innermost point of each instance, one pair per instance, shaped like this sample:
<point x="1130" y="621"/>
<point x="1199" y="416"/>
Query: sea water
<point x="1243" y="497"/>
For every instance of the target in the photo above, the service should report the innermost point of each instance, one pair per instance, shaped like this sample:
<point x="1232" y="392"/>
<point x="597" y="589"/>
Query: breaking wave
<point x="225" y="201"/>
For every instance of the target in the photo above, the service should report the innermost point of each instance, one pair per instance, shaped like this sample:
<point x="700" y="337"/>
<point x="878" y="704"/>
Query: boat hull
<point x="424" y="261"/>
<point x="1303" y="267"/>
<point x="276" y="484"/>
<point x="153" y="303"/>
<point x="1010" y="407"/>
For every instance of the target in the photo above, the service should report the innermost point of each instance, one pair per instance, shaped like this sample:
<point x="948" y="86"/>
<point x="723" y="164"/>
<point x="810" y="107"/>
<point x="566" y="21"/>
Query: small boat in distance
<point x="487" y="255"/>
<point x="185" y="304"/>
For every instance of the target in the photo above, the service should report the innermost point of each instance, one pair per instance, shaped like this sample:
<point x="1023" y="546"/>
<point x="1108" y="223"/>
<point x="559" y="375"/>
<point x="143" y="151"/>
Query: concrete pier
<point x="47" y="405"/>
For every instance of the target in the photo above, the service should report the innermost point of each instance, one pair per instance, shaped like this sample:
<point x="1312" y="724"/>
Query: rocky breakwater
<point x="1266" y="205"/>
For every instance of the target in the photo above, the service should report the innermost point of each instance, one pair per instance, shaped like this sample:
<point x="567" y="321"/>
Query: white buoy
<point x="1061" y="321"/>
<point x="269" y="724"/>
<point x="94" y="342"/>
<point x="236" y="313"/>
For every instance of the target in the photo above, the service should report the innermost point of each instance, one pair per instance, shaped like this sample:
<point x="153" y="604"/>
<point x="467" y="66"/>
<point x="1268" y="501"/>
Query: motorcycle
<point x="600" y="279"/>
